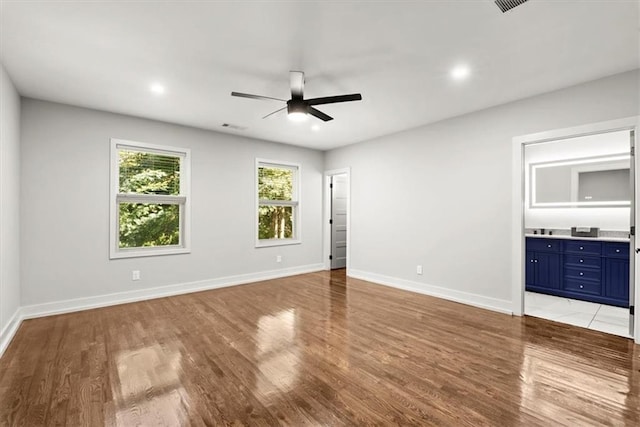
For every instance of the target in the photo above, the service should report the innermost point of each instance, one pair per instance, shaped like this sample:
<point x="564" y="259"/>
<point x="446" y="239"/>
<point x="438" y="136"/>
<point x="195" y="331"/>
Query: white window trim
<point x="297" y="203"/>
<point x="184" y="200"/>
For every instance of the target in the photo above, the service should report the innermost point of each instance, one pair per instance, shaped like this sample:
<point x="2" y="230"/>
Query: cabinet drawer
<point x="616" y="250"/>
<point x="582" y="286"/>
<point x="582" y="273"/>
<point x="543" y="245"/>
<point x="582" y="261"/>
<point x="583" y="247"/>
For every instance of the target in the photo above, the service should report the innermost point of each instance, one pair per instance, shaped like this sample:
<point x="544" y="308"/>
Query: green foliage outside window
<point x="275" y="222"/>
<point x="148" y="224"/>
<point x="275" y="184"/>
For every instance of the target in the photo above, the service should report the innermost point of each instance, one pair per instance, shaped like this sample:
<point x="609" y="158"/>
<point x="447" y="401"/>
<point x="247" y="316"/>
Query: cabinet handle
<point x="581" y="273"/>
<point x="581" y="260"/>
<point x="618" y="251"/>
<point x="581" y="248"/>
<point x="548" y="246"/>
<point x="536" y="261"/>
<point x="531" y="260"/>
<point x="581" y="287"/>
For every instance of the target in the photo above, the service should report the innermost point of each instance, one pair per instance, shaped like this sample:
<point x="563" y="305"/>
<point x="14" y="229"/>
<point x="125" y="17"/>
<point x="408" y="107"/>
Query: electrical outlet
<point x="135" y="275"/>
<point x="419" y="269"/>
<point x="278" y="258"/>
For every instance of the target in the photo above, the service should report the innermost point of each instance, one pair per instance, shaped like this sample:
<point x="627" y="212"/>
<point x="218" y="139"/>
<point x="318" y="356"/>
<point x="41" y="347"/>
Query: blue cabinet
<point x="581" y="269"/>
<point x="543" y="265"/>
<point x="616" y="271"/>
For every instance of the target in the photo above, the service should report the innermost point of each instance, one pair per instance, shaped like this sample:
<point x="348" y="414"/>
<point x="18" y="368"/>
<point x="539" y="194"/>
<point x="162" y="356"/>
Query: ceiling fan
<point x="299" y="108"/>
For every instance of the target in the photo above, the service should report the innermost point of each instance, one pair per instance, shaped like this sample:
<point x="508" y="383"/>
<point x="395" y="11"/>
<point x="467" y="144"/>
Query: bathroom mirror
<point x="588" y="182"/>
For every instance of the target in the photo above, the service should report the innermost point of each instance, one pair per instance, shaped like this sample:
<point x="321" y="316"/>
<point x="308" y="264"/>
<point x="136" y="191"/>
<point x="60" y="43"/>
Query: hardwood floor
<point x="315" y="349"/>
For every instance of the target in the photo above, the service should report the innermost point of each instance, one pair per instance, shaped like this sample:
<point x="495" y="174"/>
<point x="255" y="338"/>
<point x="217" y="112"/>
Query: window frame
<point x="295" y="203"/>
<point x="183" y="200"/>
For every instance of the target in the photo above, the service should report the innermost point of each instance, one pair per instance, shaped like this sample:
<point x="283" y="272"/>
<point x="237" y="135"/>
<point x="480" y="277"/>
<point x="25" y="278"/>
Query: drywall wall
<point x="440" y="195"/>
<point x="568" y="149"/>
<point x="9" y="202"/>
<point x="65" y="202"/>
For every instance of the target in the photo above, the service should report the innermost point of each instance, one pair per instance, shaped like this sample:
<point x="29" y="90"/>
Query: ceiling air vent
<point x="506" y="5"/>
<point x="234" y="127"/>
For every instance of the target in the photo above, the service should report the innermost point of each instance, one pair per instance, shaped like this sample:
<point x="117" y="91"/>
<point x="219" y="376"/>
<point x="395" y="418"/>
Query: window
<point x="278" y="203"/>
<point x="149" y="199"/>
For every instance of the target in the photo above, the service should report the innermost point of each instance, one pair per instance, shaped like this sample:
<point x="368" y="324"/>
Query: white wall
<point x="588" y="146"/>
<point x="440" y="195"/>
<point x="9" y="202"/>
<point x="65" y="202"/>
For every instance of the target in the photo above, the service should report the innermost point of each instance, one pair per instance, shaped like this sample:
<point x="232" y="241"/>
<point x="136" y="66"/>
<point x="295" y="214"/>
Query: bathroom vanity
<point x="594" y="269"/>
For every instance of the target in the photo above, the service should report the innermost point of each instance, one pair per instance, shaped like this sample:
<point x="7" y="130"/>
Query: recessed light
<point x="315" y="128"/>
<point x="460" y="72"/>
<point x="157" y="88"/>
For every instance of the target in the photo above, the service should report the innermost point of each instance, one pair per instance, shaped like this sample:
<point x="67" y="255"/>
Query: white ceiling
<point x="398" y="54"/>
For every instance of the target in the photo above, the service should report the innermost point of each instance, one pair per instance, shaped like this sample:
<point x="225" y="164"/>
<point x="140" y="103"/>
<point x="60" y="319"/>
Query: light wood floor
<point x="315" y="349"/>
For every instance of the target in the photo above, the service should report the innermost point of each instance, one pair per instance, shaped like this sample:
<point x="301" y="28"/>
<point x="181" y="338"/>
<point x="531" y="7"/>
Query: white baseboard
<point x="79" y="304"/>
<point x="494" y="304"/>
<point x="10" y="330"/>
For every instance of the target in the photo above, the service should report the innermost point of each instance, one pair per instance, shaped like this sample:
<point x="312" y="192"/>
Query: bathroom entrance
<point x="578" y="243"/>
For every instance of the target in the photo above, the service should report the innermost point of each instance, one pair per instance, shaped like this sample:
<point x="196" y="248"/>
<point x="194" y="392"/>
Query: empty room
<point x="319" y="213"/>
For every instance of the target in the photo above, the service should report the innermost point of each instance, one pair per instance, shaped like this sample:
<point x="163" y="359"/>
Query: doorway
<point x="338" y="221"/>
<point x="337" y="205"/>
<point x="575" y="271"/>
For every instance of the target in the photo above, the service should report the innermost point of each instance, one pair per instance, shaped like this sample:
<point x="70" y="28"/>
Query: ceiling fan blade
<point x="277" y="111"/>
<point x="296" y="80"/>
<point x="334" y="99"/>
<point x="319" y="114"/>
<point x="248" y="95"/>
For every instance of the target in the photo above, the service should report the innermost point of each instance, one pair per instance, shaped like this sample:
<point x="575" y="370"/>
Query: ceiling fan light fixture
<point x="297" y="116"/>
<point x="297" y="111"/>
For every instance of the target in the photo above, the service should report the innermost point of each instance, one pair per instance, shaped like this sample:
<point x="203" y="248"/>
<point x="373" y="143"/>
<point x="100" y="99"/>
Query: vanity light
<point x="612" y="162"/>
<point x="585" y="161"/>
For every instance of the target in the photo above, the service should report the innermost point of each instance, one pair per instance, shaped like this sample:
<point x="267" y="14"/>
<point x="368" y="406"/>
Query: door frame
<point x="326" y="246"/>
<point x="517" y="197"/>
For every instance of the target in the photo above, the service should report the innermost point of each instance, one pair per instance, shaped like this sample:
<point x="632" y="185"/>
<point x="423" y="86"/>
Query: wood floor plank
<point x="315" y="349"/>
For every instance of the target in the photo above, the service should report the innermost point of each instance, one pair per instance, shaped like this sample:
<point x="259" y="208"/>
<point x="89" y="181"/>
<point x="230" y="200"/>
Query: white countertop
<point x="564" y="236"/>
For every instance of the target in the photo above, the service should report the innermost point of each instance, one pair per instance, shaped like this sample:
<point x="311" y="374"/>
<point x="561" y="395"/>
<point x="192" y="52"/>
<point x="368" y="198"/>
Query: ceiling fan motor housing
<point x="297" y="106"/>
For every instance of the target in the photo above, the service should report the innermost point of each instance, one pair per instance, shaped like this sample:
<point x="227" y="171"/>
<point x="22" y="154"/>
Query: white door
<point x="338" y="220"/>
<point x="632" y="237"/>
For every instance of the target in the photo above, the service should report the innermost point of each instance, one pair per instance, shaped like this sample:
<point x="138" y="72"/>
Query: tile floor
<point x="604" y="318"/>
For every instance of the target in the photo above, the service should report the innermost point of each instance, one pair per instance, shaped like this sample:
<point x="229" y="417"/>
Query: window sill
<point x="136" y="253"/>
<point x="277" y="242"/>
